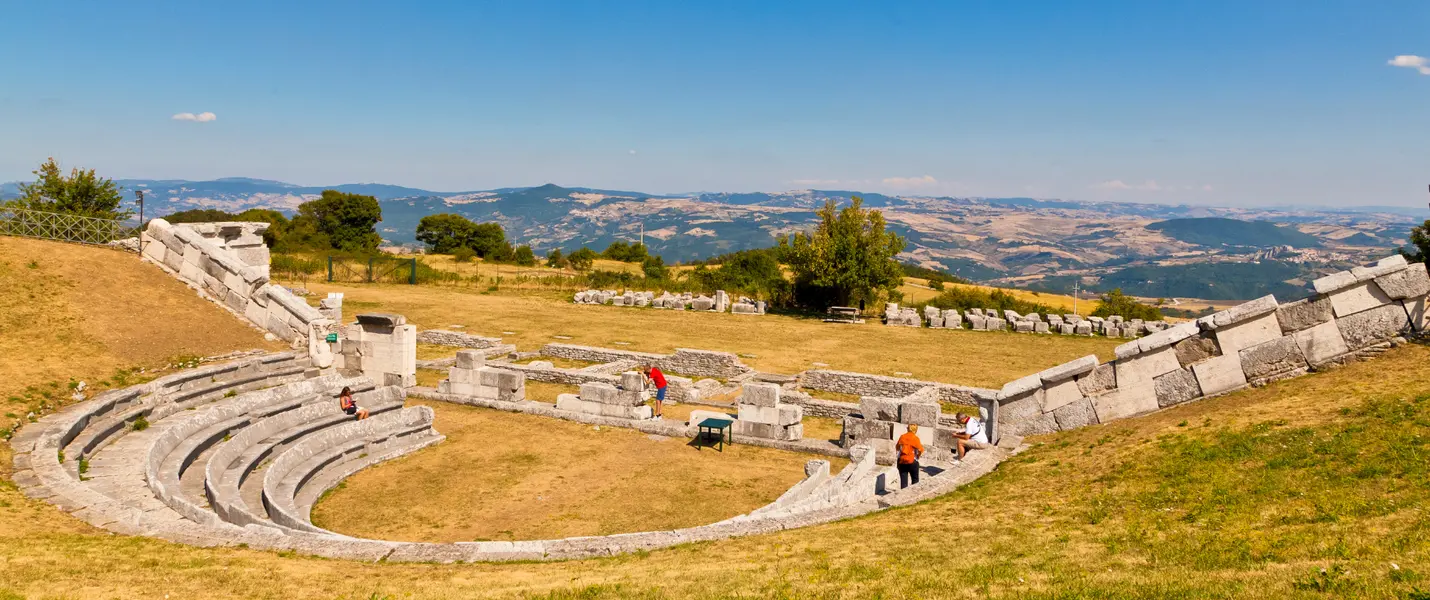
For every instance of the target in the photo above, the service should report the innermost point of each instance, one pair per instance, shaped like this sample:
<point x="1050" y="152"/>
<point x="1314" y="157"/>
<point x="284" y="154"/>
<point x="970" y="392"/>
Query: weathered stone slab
<point x="381" y="319"/>
<point x="1333" y="282"/>
<point x="1128" y="350"/>
<point x="1273" y="360"/>
<point x="1220" y="374"/>
<point x="1373" y="326"/>
<point x="760" y="394"/>
<point x="1144" y="367"/>
<point x="923" y="414"/>
<point x="758" y="414"/>
<point x="1075" y="415"/>
<point x="1321" y="343"/>
<point x="1176" y="387"/>
<point x="1245" y="334"/>
<point x="597" y="391"/>
<point x="1100" y="379"/>
<point x="883" y="409"/>
<point x="1360" y="297"/>
<point x="1125" y="402"/>
<point x="1304" y="313"/>
<point x="1069" y="369"/>
<point x="1244" y="312"/>
<point x="470" y="359"/>
<point x="1410" y="282"/>
<point x="1419" y="312"/>
<point x="1021" y="385"/>
<point x="1169" y="336"/>
<point x="857" y="429"/>
<point x="1059" y="394"/>
<point x="1083" y="328"/>
<point x="1195" y="349"/>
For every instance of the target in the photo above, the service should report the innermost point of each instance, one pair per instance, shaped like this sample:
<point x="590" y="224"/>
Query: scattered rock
<point x="508" y="333"/>
<point x="621" y="343"/>
<point x="903" y="374"/>
<point x="818" y="364"/>
<point x="561" y="337"/>
<point x="742" y="355"/>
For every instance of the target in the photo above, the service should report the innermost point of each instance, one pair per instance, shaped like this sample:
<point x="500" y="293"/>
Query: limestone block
<point x="1176" y="387"/>
<point x="1128" y="401"/>
<point x="1385" y="266"/>
<point x="1304" y="313"/>
<point x="758" y="414"/>
<point x="1040" y="327"/>
<point x="1244" y="312"/>
<point x="790" y="414"/>
<point x="1419" y="315"/>
<point x="1020" y="386"/>
<point x="936" y="322"/>
<point x="256" y="314"/>
<point x="1273" y="360"/>
<point x="857" y="429"/>
<point x="1245" y="334"/>
<point x="1195" y="349"/>
<point x="633" y="381"/>
<point x="470" y="359"/>
<point x="1039" y="424"/>
<point x="1412" y="282"/>
<point x="574" y="403"/>
<point x="1067" y="328"/>
<point x="952" y="320"/>
<point x="459" y="375"/>
<point x="1321" y="343"/>
<point x="1075" y="414"/>
<point x="1021" y="408"/>
<point x="596" y="391"/>
<point x="1023" y="326"/>
<point x="1128" y="350"/>
<point x="1333" y="282"/>
<point x="1220" y="374"/>
<point x="173" y="260"/>
<point x="923" y="414"/>
<point x="1373" y="326"/>
<point x="760" y="394"/>
<point x="996" y="324"/>
<point x="1169" y="336"/>
<point x="236" y="301"/>
<point x="978" y="322"/>
<point x="1100" y="379"/>
<point x="1011" y="316"/>
<point x="703" y="303"/>
<point x="1069" y="369"/>
<point x="976" y="311"/>
<point x="510" y="380"/>
<point x="1129" y="331"/>
<point x="1060" y="394"/>
<point x="883" y="409"/>
<point x="1083" y="328"/>
<point x="1116" y="319"/>
<point x="1356" y="298"/>
<point x="153" y="248"/>
<point x="768" y="431"/>
<point x="1144" y="367"/>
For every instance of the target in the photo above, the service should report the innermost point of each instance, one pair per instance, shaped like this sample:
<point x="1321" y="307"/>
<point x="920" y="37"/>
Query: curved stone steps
<point x="230" y="484"/>
<point x="293" y="468"/>
<point x="334" y="474"/>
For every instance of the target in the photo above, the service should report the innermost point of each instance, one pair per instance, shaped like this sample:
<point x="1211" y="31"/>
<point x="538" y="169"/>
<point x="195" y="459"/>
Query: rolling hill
<point x="1212" y="231"/>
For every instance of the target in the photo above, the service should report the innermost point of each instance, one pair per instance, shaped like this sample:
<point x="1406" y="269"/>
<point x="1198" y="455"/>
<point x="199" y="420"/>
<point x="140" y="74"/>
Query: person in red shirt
<point x="910" y="449"/>
<point x="658" y="379"/>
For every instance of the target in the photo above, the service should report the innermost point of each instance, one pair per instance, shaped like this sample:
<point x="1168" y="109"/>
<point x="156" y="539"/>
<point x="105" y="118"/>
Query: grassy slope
<point x="778" y="343"/>
<point x="70" y="312"/>
<point x="1248" y="495"/>
<point x="917" y="290"/>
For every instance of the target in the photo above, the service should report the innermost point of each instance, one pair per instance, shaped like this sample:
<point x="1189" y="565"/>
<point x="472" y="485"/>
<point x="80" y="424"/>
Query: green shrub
<point x="463" y="255"/>
<point x="1117" y="303"/>
<point x="140" y="424"/>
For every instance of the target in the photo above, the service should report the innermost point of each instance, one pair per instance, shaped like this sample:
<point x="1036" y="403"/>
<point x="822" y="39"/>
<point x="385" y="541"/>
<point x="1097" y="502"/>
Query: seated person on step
<point x="349" y="406"/>
<point x="973" y="436"/>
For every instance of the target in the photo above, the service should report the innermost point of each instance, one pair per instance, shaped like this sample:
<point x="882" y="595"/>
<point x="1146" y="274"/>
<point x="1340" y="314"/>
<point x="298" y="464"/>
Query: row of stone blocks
<point x="607" y="400"/>
<point x="719" y="303"/>
<point x="881" y="421"/>
<point x="1354" y="313"/>
<point x="991" y="320"/>
<point x="761" y="414"/>
<point x="471" y="377"/>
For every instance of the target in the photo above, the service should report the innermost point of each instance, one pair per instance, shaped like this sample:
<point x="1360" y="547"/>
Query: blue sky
<point x="1229" y="103"/>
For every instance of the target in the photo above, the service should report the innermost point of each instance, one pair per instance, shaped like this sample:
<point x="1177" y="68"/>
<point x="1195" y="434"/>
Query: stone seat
<point x="296" y="465"/>
<point x="172" y="455"/>
<point x="231" y="467"/>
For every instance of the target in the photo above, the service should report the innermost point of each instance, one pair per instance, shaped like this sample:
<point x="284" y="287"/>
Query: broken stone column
<point x="383" y="347"/>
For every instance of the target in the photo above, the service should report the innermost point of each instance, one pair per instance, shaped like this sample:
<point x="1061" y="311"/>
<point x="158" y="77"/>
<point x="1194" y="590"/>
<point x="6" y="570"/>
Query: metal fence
<point x="24" y="222"/>
<point x="372" y="270"/>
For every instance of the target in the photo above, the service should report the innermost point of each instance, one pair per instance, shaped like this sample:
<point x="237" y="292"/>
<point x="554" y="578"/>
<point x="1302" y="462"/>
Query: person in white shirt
<point x="973" y="437"/>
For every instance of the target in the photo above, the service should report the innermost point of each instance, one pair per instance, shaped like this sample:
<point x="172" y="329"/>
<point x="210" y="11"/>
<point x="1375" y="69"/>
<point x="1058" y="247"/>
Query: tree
<point x="199" y="215"/>
<point x="349" y="221"/>
<point x="463" y="255"/>
<point x="522" y="255"/>
<point x="555" y="260"/>
<point x="1420" y="244"/>
<point x="848" y="257"/>
<point x="625" y="252"/>
<point x="654" y="268"/>
<point x="1117" y="303"/>
<point x="445" y="232"/>
<point x="278" y="224"/>
<point x="582" y="259"/>
<point x="81" y="193"/>
<point x="490" y="242"/>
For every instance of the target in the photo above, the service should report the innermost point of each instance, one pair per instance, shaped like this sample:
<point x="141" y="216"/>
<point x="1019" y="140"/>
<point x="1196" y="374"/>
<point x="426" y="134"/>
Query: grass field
<point x="917" y="290"/>
<point x="775" y="343"/>
<point x="71" y="313"/>
<point x="503" y="476"/>
<point x="1308" y="488"/>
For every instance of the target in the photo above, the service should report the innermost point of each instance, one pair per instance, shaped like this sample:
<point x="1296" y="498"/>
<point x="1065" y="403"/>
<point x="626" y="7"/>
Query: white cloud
<point x="633" y="152"/>
<point x="202" y="117"/>
<point x="910" y="183"/>
<point x="1410" y="61"/>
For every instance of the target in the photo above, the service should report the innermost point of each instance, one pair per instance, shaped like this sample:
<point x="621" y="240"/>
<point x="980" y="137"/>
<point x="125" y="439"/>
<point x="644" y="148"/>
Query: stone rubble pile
<point x="987" y="319"/>
<point x="760" y="414"/>
<point x="881" y="421"/>
<point x="601" y="398"/>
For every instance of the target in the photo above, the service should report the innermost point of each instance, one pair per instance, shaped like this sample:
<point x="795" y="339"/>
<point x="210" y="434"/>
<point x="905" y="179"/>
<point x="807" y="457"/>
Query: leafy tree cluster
<point x="1117" y="303"/>
<point x="625" y="252"/>
<point x="582" y="259"/>
<point x="82" y="192"/>
<point x="757" y="272"/>
<point x="333" y="221"/>
<point x="847" y="258"/>
<point x="935" y="277"/>
<point x="454" y="234"/>
<point x="1419" y="244"/>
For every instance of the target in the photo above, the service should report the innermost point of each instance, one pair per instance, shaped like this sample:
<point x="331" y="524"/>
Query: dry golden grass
<point x="778" y="343"/>
<point x="71" y="312"/>
<point x="506" y="476"/>
<point x="1045" y="525"/>
<point x="916" y="290"/>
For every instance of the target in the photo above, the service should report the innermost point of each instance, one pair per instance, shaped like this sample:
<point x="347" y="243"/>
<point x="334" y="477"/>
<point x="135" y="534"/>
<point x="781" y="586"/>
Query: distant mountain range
<point x="1010" y="241"/>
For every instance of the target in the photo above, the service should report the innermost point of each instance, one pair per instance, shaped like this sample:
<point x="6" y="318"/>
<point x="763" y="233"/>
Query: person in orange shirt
<point x="910" y="449"/>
